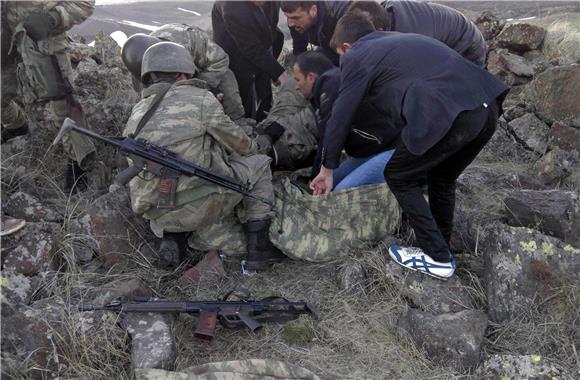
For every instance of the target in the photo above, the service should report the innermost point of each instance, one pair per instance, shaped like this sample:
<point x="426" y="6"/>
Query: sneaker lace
<point x="414" y="251"/>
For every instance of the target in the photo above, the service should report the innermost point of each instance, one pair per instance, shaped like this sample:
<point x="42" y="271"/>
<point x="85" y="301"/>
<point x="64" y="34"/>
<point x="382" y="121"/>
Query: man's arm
<point x="246" y="35"/>
<point x="227" y="133"/>
<point x="354" y="80"/>
<point x="211" y="59"/>
<point x="73" y="13"/>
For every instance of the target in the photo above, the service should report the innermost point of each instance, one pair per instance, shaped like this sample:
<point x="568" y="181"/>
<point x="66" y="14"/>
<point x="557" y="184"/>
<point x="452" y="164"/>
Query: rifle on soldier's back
<point x="231" y="314"/>
<point x="159" y="161"/>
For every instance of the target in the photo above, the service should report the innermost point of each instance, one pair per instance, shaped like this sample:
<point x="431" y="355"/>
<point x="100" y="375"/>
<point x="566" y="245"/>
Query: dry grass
<point x="355" y="338"/>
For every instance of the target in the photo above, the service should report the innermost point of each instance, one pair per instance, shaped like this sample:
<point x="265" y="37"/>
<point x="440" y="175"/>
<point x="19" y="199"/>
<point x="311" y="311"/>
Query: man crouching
<point x="178" y="113"/>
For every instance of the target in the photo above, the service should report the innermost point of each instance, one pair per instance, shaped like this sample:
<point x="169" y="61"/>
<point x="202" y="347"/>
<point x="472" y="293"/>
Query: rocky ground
<point x="510" y="312"/>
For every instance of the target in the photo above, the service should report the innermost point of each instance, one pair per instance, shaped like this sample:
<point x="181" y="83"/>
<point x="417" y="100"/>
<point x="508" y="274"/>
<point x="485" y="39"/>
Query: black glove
<point x="39" y="25"/>
<point x="274" y="131"/>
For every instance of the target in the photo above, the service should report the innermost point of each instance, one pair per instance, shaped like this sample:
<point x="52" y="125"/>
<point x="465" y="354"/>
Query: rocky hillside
<point x="510" y="312"/>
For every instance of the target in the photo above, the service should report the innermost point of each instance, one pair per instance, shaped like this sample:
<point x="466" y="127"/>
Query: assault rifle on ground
<point x="231" y="314"/>
<point x="159" y="161"/>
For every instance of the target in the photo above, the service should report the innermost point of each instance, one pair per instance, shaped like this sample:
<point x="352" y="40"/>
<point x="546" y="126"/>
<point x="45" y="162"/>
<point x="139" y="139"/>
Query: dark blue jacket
<point x="321" y="32"/>
<point x="418" y="83"/>
<point x="440" y="22"/>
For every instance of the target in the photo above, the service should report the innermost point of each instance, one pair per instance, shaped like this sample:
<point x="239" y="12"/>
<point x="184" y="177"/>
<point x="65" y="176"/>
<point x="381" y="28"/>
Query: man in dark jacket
<point x="432" y="20"/>
<point x="319" y="81"/>
<point x="247" y="31"/>
<point x="313" y="22"/>
<point x="444" y="110"/>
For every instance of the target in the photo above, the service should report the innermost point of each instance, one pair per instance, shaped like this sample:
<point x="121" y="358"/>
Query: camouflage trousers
<point x="39" y="60"/>
<point x="252" y="369"/>
<point x="312" y="228"/>
<point x="210" y="204"/>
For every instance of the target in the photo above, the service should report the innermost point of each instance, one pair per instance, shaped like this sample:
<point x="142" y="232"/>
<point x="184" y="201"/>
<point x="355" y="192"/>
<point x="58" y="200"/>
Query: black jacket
<point x="321" y="32"/>
<point x="369" y="132"/>
<point x="248" y="32"/>
<point x="440" y="22"/>
<point x="418" y="83"/>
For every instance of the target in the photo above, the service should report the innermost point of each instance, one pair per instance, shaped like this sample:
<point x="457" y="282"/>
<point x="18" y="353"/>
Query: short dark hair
<point x="293" y="6"/>
<point x="376" y="13"/>
<point x="313" y="62"/>
<point x="350" y="28"/>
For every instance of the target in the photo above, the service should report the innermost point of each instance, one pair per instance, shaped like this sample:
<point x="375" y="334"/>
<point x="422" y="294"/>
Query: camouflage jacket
<point x="211" y="60"/>
<point x="191" y="122"/>
<point x="71" y="12"/>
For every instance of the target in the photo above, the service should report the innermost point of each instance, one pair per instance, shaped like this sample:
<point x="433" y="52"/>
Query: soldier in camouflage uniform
<point x="191" y="122"/>
<point x="296" y="148"/>
<point x="37" y="31"/>
<point x="210" y="59"/>
<point x="212" y="63"/>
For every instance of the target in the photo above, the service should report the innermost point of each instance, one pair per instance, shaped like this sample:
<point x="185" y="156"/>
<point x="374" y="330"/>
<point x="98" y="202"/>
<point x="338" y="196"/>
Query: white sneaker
<point x="417" y="260"/>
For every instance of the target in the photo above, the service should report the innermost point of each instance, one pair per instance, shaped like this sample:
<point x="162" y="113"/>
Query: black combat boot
<point x="75" y="178"/>
<point x="261" y="252"/>
<point x="171" y="250"/>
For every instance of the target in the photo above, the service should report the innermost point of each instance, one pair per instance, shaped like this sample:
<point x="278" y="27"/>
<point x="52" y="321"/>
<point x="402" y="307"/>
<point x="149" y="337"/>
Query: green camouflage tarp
<point x="314" y="228"/>
<point x="253" y="369"/>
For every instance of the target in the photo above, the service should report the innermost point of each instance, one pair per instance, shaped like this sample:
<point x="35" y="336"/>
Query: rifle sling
<point x="152" y="108"/>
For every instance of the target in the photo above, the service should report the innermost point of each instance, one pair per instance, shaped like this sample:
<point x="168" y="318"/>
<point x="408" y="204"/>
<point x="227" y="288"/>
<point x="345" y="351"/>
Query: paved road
<point x="139" y="16"/>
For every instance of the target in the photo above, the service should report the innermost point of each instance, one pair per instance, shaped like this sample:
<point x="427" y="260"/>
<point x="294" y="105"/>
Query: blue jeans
<point x="356" y="172"/>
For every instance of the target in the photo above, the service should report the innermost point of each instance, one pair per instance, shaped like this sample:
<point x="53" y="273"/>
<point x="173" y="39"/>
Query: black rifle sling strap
<point x="167" y="182"/>
<point x="152" y="108"/>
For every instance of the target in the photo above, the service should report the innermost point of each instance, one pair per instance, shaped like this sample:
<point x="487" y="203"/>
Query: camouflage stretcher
<point x="312" y="228"/>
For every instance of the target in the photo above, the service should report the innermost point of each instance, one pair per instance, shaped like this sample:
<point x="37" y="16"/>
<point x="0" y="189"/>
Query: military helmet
<point x="167" y="57"/>
<point x="133" y="50"/>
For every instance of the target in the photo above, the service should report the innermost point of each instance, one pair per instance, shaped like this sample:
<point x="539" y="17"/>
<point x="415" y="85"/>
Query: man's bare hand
<point x="322" y="184"/>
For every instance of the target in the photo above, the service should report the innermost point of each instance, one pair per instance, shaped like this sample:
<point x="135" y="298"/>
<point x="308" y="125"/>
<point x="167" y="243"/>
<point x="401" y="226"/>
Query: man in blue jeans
<point x="318" y="80"/>
<point x="444" y="111"/>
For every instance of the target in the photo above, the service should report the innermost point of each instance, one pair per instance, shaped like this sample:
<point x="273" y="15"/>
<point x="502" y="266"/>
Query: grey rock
<point x="556" y="166"/>
<point x="450" y="339"/>
<point x="25" y="206"/>
<point x="565" y="137"/>
<point x="108" y="51"/>
<point x="427" y="293"/>
<point x="531" y="132"/>
<point x="524" y="266"/>
<point x="501" y="63"/>
<point x="554" y="94"/>
<point x="477" y="177"/>
<point x="17" y="288"/>
<point x="152" y="344"/>
<point x="489" y="24"/>
<point x="29" y="333"/>
<point x="28" y="251"/>
<point x="520" y="37"/>
<point x="124" y="289"/>
<point x="113" y="226"/>
<point x="562" y="40"/>
<point x="554" y="212"/>
<point x="514" y="112"/>
<point x="520" y="367"/>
